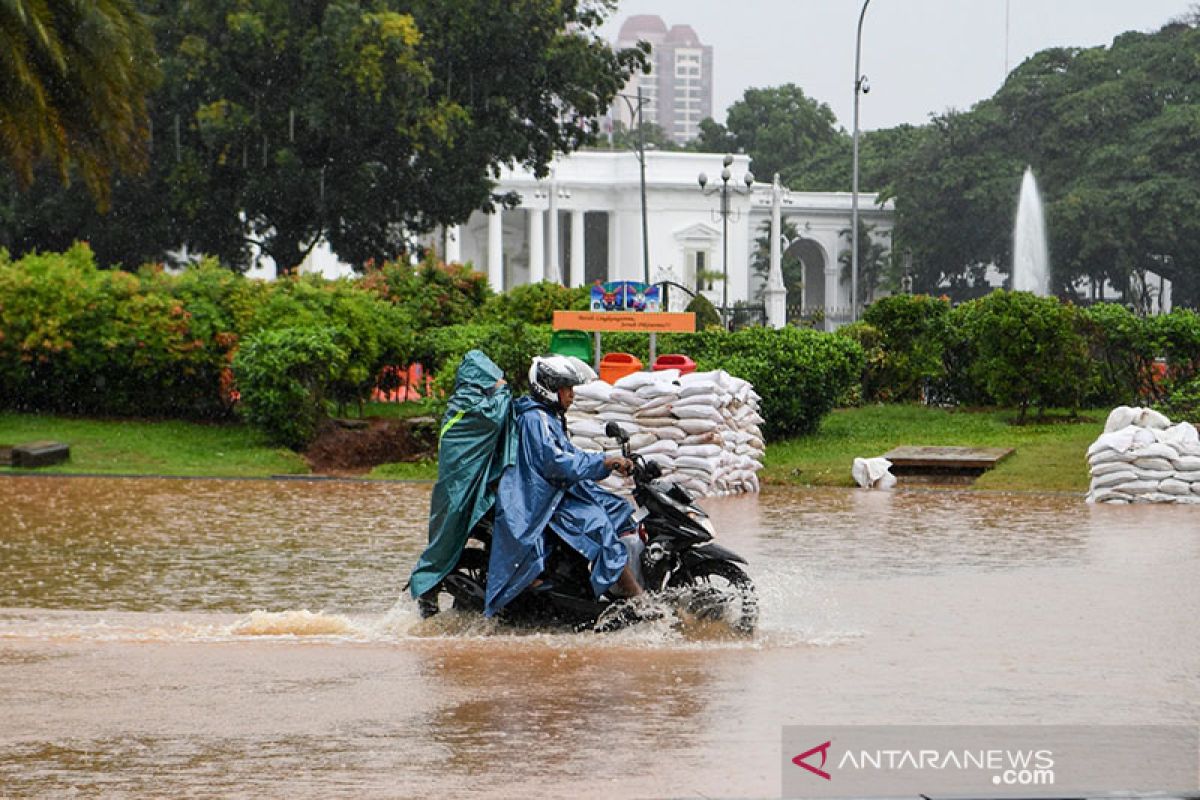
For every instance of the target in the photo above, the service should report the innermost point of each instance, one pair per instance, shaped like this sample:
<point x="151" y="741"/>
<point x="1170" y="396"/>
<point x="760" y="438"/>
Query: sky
<point x="921" y="57"/>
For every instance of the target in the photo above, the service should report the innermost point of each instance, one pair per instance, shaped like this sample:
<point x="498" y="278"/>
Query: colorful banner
<point x="626" y="296"/>
<point x="608" y="321"/>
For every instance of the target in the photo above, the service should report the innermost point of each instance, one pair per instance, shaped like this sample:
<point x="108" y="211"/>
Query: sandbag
<point x="697" y="412"/>
<point x="693" y="426"/>
<point x="873" y="473"/>
<point x="1125" y="475"/>
<point x="1121" y="417"/>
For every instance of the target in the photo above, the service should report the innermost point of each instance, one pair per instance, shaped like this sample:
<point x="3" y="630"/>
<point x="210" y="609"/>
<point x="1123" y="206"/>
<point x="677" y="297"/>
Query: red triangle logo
<point x="823" y="749"/>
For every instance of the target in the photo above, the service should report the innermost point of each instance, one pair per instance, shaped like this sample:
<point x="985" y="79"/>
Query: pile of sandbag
<point x="1142" y="458"/>
<point x="702" y="428"/>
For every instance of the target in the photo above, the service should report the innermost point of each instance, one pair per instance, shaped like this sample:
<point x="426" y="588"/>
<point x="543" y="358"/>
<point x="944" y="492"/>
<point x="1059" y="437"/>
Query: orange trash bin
<point x="615" y="366"/>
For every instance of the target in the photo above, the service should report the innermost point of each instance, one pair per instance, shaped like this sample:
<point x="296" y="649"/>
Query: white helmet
<point x="548" y="374"/>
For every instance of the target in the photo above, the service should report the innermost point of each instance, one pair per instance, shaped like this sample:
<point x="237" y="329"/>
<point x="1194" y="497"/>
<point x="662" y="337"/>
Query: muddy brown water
<point x="171" y="638"/>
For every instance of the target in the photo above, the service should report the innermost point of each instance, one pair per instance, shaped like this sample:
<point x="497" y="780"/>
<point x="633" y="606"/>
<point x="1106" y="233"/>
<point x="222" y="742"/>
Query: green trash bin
<point x="572" y="343"/>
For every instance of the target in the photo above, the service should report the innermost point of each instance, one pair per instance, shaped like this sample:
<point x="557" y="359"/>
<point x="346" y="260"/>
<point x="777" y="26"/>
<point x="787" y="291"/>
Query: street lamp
<point x="725" y="189"/>
<point x="860" y="85"/>
<point x="641" y="157"/>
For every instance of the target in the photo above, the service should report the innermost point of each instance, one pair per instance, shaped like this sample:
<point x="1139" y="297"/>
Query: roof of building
<point x="643" y="26"/>
<point x="683" y="35"/>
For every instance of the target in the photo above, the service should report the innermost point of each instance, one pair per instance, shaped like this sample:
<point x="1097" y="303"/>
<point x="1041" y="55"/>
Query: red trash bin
<point x="615" y="366"/>
<point x="675" y="361"/>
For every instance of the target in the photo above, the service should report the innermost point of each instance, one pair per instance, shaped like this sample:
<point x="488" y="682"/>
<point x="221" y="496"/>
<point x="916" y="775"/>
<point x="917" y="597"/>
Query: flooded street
<point x="191" y="638"/>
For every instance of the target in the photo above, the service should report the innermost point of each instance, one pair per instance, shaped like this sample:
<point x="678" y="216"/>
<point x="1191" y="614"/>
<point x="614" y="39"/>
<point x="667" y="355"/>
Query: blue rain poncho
<point x="475" y="444"/>
<point x="552" y="485"/>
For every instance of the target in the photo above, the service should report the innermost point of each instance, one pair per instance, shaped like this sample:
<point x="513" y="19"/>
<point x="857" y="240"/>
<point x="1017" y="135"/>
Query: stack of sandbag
<point x="702" y="428"/>
<point x="1142" y="458"/>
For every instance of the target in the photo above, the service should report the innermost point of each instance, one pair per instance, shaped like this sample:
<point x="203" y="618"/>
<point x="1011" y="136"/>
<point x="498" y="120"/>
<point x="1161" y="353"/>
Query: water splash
<point x="1031" y="256"/>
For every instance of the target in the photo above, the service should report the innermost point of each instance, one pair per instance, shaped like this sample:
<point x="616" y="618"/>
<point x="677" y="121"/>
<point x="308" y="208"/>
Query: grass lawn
<point x="1048" y="456"/>
<point x="166" y="447"/>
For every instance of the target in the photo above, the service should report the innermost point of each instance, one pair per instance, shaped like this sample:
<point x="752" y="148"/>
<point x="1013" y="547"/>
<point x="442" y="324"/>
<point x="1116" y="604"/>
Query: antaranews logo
<point x="823" y="749"/>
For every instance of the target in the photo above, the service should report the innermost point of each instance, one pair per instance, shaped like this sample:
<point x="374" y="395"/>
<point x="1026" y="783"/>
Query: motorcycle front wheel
<point x="463" y="589"/>
<point x="717" y="591"/>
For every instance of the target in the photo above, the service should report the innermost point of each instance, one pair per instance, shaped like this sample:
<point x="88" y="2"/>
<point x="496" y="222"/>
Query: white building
<point x="583" y="223"/>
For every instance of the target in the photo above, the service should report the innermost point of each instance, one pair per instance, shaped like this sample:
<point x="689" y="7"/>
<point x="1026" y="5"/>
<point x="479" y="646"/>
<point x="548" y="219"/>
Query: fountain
<point x="1031" y="257"/>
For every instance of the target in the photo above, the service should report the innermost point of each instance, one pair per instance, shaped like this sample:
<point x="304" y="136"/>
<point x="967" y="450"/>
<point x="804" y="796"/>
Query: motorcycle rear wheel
<point x="718" y="591"/>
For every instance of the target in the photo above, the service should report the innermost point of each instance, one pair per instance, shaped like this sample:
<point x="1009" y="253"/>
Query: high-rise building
<point x="678" y="90"/>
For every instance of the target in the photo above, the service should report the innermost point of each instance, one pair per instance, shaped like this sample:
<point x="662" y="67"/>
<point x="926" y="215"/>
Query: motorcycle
<point x="681" y="565"/>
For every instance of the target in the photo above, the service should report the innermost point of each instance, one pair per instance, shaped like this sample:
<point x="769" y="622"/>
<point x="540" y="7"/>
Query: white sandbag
<point x="873" y="473"/>
<point x="631" y="399"/>
<point x="585" y="406"/>
<point x="596" y="390"/>
<point x="616" y="408"/>
<point x="1174" y="486"/>
<point x="1107" y="456"/>
<point x="653" y="390"/>
<point x="592" y="428"/>
<point x="659" y="447"/>
<point x="1153" y="464"/>
<point x="654" y="423"/>
<point x="711" y="376"/>
<point x="1108" y="496"/>
<point x="639" y="440"/>
<point x="709" y="437"/>
<point x="1187" y="463"/>
<point x="698" y="388"/>
<point x="693" y="426"/>
<point x="1157" y="450"/>
<point x="659" y="412"/>
<point x="696" y="464"/>
<point x="1121" y="417"/>
<point x="1149" y="418"/>
<point x="1137" y="487"/>
<point x="697" y="412"/>
<point x="1181" y="435"/>
<point x="1114" y="478"/>
<point x="711" y="400"/>
<point x="1122" y="440"/>
<point x="1188" y="476"/>
<point x="700" y="450"/>
<point x="670" y="432"/>
<point x="585" y="443"/>
<point x="663" y="401"/>
<point x="1110" y="467"/>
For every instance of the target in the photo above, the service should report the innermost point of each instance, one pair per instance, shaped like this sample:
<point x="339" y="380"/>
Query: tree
<point x="779" y="128"/>
<point x="363" y="122"/>
<point x="73" y="87"/>
<point x="872" y="261"/>
<point x="790" y="263"/>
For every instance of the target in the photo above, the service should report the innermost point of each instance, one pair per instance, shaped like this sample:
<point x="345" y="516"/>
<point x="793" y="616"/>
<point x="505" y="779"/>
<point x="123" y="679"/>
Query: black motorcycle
<point x="681" y="564"/>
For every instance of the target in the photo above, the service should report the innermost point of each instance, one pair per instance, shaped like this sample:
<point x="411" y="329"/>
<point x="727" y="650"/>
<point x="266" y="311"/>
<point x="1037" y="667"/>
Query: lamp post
<point x="725" y="212"/>
<point x="860" y="85"/>
<point x="636" y="111"/>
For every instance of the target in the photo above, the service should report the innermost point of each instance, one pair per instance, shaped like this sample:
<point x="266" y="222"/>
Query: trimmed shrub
<point x="1122" y="347"/>
<point x="1021" y="350"/>
<point x="534" y="303"/>
<point x="511" y="346"/>
<point x="432" y="294"/>
<point x="904" y="337"/>
<point x="284" y="376"/>
<point x="1177" y="337"/>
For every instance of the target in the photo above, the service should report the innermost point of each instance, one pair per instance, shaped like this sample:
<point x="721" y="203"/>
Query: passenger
<point x="552" y="484"/>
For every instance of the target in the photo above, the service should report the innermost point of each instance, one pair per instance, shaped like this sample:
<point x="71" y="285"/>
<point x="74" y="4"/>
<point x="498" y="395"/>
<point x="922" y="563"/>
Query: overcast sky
<point x="921" y="57"/>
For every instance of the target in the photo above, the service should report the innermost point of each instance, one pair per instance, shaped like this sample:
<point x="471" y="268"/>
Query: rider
<point x="552" y="484"/>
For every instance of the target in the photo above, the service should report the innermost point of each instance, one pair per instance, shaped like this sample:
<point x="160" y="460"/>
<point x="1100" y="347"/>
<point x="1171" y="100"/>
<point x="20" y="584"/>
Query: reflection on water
<point x="249" y="638"/>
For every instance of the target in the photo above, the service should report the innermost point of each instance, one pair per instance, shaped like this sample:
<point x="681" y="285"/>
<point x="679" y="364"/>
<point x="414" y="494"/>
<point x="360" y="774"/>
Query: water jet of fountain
<point x="1031" y="256"/>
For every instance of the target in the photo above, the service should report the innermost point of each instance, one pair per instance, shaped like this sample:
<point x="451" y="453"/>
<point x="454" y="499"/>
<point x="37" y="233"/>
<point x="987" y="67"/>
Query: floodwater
<point x="192" y="638"/>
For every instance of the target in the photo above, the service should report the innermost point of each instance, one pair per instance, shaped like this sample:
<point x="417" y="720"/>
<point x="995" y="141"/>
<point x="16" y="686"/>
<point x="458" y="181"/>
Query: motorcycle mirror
<point x="613" y="431"/>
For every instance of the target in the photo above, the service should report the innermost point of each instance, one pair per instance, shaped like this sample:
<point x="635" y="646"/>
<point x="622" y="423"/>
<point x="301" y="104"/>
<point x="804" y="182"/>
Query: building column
<point x="453" y="245"/>
<point x="776" y="292"/>
<point x="495" y="255"/>
<point x="553" y="261"/>
<point x="577" y="252"/>
<point x="537" y="245"/>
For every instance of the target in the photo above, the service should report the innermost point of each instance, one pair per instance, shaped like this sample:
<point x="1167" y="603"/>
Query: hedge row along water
<point x="81" y="340"/>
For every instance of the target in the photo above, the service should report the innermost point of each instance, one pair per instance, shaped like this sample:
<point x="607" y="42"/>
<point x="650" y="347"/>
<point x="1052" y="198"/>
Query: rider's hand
<point x="619" y="464"/>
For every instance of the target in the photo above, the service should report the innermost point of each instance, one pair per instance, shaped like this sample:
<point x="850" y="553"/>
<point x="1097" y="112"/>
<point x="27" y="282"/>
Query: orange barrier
<point x="402" y="384"/>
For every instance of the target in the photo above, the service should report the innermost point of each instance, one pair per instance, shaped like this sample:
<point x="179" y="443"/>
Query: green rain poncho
<point x="476" y="443"/>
